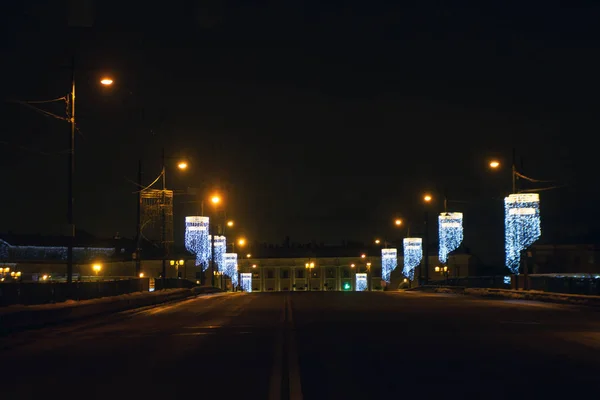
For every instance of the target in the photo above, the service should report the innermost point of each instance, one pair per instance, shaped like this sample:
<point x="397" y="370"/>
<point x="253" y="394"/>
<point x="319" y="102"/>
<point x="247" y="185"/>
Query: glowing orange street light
<point x="377" y="241"/>
<point x="106" y="81"/>
<point x="398" y="222"/>
<point x="494" y="164"/>
<point x="182" y="165"/>
<point x="230" y="223"/>
<point x="215" y="199"/>
<point x="241" y="242"/>
<point x="427" y="198"/>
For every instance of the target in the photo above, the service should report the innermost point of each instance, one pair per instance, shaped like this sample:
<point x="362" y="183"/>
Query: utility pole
<point x="70" y="219"/>
<point x="514" y="170"/>
<point x="163" y="232"/>
<point x="212" y="255"/>
<point x="426" y="250"/>
<point x="138" y="237"/>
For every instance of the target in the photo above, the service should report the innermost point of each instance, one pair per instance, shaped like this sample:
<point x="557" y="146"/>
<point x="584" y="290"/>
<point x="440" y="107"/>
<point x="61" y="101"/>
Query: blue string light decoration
<point x="230" y="267"/>
<point x="413" y="254"/>
<point x="246" y="281"/>
<point x="450" y="232"/>
<point x="389" y="262"/>
<point x="49" y="253"/>
<point x="361" y="282"/>
<point x="197" y="239"/>
<point x="220" y="250"/>
<point x="522" y="226"/>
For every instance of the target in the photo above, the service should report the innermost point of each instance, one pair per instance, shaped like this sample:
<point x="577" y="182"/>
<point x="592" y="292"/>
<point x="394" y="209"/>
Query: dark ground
<point x="335" y="345"/>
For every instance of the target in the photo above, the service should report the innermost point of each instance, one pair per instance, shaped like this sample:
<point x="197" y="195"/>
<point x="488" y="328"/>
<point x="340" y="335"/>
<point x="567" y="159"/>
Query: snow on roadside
<point x="101" y="300"/>
<point x="535" y="295"/>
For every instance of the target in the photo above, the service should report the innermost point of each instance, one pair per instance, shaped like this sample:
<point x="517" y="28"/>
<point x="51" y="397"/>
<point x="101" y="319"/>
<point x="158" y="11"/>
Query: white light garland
<point x="361" y="282"/>
<point x="413" y="254"/>
<point x="389" y="262"/>
<point x="246" y="281"/>
<point x="521" y="226"/>
<point x="230" y="267"/>
<point x="197" y="239"/>
<point x="450" y="229"/>
<point x="220" y="249"/>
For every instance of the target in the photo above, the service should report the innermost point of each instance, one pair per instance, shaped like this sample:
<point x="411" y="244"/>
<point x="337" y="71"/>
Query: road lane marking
<point x="295" y="383"/>
<point x="276" y="373"/>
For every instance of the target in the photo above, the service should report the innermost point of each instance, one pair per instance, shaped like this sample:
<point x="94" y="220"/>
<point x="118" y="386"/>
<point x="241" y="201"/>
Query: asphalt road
<point x="318" y="345"/>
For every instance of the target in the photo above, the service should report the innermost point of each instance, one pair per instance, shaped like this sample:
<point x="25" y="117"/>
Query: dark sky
<point x="324" y="120"/>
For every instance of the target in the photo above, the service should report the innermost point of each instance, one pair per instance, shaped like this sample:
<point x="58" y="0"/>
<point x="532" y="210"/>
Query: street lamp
<point x="177" y="264"/>
<point x="494" y="164"/>
<point x="444" y="271"/>
<point x="97" y="268"/>
<point x="397" y="222"/>
<point x="182" y="165"/>
<point x="215" y="200"/>
<point x="106" y="81"/>
<point x="427" y="199"/>
<point x="309" y="266"/>
<point x="377" y="241"/>
<point x="230" y="223"/>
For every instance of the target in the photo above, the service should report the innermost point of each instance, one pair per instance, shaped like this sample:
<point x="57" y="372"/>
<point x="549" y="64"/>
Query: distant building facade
<point x="337" y="273"/>
<point x="564" y="258"/>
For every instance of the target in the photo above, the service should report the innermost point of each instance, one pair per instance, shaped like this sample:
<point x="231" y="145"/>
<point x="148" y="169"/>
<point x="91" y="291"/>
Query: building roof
<point x="82" y="239"/>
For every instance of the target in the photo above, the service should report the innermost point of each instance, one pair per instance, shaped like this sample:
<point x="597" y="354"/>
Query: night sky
<point x="321" y="120"/>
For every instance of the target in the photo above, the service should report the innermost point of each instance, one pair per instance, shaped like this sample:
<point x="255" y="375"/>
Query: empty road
<point x="320" y="345"/>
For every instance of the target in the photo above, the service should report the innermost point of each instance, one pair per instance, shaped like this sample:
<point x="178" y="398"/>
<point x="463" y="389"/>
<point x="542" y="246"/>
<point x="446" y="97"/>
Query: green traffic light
<point x="346" y="286"/>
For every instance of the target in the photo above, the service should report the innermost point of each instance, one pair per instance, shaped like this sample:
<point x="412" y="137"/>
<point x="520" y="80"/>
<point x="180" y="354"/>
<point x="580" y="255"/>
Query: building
<point x="337" y="273"/>
<point x="564" y="258"/>
<point x="275" y="269"/>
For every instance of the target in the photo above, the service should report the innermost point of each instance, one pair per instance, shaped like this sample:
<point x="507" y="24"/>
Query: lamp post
<point x="182" y="165"/>
<point x="427" y="199"/>
<point x="309" y="266"/>
<point x="71" y="171"/>
<point x="444" y="271"/>
<point x="215" y="200"/>
<point x="70" y="219"/>
<point x="177" y="264"/>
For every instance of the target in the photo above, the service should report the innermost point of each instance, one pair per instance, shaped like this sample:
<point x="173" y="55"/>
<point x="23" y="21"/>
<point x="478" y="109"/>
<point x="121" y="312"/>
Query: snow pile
<point x="19" y="317"/>
<point x="536" y="295"/>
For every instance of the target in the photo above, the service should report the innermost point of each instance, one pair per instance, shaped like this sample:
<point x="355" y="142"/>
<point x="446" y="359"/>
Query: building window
<point x="299" y="273"/>
<point x="285" y="273"/>
<point x="330" y="272"/>
<point x="270" y="274"/>
<point x="345" y="273"/>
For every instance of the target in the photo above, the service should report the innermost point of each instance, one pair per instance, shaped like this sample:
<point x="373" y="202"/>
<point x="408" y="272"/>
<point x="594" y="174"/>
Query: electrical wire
<point x="43" y="112"/>
<point x="541" y="189"/>
<point x="64" y="98"/>
<point x="531" y="179"/>
<point x="147" y="187"/>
